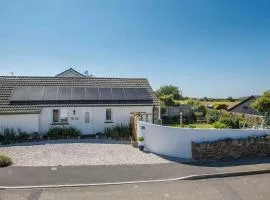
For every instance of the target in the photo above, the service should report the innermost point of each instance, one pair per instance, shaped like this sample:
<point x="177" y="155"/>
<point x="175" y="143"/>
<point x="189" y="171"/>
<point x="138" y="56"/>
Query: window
<point x="64" y="116"/>
<point x="108" y="114"/>
<point x="87" y="117"/>
<point x="245" y="107"/>
<point x="60" y="117"/>
<point x="55" y="115"/>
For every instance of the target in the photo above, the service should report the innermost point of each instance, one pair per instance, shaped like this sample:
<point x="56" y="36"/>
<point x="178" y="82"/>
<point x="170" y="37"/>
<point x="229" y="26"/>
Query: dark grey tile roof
<point x="8" y="83"/>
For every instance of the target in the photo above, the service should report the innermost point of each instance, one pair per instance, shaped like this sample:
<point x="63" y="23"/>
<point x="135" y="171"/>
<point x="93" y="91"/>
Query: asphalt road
<point x="235" y="188"/>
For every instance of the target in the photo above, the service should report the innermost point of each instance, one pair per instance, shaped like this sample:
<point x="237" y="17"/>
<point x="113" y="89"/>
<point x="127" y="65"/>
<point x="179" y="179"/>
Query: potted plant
<point x="141" y="145"/>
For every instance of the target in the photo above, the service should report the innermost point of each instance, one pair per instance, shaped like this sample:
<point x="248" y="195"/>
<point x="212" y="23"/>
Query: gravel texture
<point x="78" y="152"/>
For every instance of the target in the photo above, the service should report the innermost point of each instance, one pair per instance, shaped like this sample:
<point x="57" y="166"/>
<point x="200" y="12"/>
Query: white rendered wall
<point x="120" y="114"/>
<point x="26" y="122"/>
<point x="176" y="142"/>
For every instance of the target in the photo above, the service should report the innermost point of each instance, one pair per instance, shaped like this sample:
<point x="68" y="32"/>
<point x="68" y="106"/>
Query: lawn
<point x="202" y="125"/>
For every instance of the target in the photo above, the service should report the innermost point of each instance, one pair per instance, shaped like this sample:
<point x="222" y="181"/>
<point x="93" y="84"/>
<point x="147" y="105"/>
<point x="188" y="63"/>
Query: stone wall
<point x="231" y="148"/>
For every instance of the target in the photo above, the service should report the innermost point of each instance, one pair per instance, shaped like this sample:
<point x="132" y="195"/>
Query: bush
<point x="141" y="139"/>
<point x="22" y="136"/>
<point x="212" y="116"/>
<point x="62" y="133"/>
<point x="192" y="126"/>
<point x="8" y="136"/>
<point x="5" y="161"/>
<point x="220" y="106"/>
<point x="230" y="122"/>
<point x="244" y="124"/>
<point x="119" y="132"/>
<point x="219" y="125"/>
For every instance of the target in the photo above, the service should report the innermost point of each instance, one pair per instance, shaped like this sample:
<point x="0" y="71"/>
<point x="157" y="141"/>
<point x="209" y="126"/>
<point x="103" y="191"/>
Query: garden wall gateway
<point x="176" y="142"/>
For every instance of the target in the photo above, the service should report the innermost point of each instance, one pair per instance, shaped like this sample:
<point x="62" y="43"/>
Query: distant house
<point x="245" y="107"/>
<point x="37" y="103"/>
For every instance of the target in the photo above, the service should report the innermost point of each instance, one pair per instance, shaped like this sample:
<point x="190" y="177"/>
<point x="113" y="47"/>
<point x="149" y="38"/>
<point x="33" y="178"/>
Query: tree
<point x="230" y="99"/>
<point x="219" y="106"/>
<point x="262" y="104"/>
<point x="169" y="89"/>
<point x="167" y="100"/>
<point x="212" y="116"/>
<point x="193" y="103"/>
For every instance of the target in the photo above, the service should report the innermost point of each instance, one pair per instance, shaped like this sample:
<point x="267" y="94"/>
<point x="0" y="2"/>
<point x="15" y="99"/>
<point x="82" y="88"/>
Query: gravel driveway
<point x="78" y="152"/>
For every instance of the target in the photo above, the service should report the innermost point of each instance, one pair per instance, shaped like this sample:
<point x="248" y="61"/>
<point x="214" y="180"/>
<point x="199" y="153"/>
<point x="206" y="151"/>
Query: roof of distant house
<point x="245" y="100"/>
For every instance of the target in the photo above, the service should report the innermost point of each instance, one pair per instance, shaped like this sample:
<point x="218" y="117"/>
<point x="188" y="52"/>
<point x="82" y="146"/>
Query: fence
<point x="176" y="142"/>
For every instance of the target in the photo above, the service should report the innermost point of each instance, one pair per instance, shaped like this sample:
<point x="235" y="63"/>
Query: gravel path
<point x="78" y="152"/>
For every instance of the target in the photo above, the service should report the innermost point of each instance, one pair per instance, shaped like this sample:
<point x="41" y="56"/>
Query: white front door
<point x="88" y="121"/>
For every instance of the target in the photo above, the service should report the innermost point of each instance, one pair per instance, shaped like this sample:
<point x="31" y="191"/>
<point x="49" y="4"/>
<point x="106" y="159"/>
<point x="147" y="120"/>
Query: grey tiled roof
<point x="8" y="83"/>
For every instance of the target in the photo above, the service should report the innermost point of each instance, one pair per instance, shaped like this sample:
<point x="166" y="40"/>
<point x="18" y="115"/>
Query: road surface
<point x="235" y="188"/>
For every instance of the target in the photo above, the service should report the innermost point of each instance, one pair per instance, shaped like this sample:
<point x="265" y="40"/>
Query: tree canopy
<point x="262" y="104"/>
<point x="220" y="106"/>
<point x="168" y="90"/>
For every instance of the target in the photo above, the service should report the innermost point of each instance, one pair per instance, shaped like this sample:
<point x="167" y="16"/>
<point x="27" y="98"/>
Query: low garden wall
<point x="231" y="148"/>
<point x="176" y="142"/>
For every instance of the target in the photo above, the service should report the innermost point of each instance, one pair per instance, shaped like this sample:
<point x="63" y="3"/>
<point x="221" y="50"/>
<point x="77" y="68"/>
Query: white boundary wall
<point x="176" y="142"/>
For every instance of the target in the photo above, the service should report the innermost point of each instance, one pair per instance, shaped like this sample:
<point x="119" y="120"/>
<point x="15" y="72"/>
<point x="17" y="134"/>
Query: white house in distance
<point x="35" y="104"/>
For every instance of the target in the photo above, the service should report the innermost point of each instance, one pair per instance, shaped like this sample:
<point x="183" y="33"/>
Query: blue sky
<point x="214" y="48"/>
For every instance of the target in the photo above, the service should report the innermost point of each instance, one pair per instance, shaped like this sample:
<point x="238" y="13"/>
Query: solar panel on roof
<point x="118" y="94"/>
<point x="64" y="93"/>
<point x="130" y="94"/>
<point x="142" y="94"/>
<point x="19" y="94"/>
<point x="50" y="93"/>
<point x="91" y="94"/>
<point x="39" y="93"/>
<point x="105" y="94"/>
<point x="35" y="94"/>
<point x="78" y="93"/>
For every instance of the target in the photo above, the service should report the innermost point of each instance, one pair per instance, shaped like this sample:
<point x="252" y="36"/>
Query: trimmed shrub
<point x="5" y="161"/>
<point x="212" y="116"/>
<point x="219" y="125"/>
<point x="62" y="133"/>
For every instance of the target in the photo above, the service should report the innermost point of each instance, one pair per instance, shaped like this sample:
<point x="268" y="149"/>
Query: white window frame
<point x="61" y="119"/>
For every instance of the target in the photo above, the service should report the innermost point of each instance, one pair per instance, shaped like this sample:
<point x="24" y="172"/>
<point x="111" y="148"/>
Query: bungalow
<point x="35" y="104"/>
<point x="244" y="107"/>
